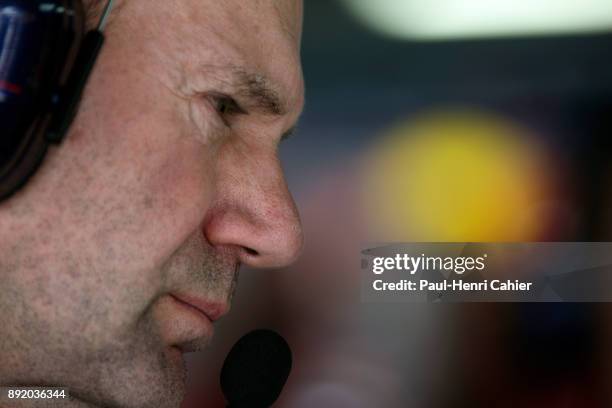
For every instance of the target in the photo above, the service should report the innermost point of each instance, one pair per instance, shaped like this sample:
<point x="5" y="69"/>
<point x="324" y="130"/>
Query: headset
<point x="45" y="61"/>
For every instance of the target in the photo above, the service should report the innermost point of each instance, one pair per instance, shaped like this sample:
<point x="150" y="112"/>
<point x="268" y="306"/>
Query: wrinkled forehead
<point x="283" y="16"/>
<point x="255" y="35"/>
<point x="250" y="26"/>
<point x="281" y="19"/>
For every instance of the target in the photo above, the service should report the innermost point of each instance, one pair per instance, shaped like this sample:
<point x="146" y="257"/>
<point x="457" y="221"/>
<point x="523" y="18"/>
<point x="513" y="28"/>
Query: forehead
<point x="258" y="36"/>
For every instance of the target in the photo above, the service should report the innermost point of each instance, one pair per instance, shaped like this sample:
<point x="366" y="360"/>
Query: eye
<point x="227" y="106"/>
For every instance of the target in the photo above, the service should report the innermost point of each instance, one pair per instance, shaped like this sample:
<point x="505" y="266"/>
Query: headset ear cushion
<point x="37" y="48"/>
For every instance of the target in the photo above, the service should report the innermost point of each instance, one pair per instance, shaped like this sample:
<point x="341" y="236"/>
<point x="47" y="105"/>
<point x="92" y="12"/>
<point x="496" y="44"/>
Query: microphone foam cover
<point x="256" y="369"/>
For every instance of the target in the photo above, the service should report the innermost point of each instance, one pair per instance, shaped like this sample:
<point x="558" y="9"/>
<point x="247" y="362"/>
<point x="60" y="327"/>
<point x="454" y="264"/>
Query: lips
<point x="182" y="325"/>
<point x="211" y="310"/>
<point x="185" y="322"/>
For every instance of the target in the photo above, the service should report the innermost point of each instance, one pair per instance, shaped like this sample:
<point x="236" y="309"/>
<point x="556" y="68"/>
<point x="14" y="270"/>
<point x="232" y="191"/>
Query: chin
<point x="158" y="383"/>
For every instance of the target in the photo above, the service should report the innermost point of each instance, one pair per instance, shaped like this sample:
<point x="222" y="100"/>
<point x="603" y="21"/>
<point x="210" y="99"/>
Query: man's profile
<point x="122" y="250"/>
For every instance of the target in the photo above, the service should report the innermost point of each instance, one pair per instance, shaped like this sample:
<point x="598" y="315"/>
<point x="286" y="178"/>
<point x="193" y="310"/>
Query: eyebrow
<point x="261" y="95"/>
<point x="260" y="92"/>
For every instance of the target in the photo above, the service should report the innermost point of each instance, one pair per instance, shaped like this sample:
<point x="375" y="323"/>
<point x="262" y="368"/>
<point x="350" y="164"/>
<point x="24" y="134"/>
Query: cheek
<point x="180" y="188"/>
<point x="154" y="180"/>
<point x="165" y="188"/>
<point x="143" y="199"/>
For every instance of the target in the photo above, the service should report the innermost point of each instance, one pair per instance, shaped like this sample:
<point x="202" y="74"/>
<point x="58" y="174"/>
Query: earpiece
<point x="45" y="61"/>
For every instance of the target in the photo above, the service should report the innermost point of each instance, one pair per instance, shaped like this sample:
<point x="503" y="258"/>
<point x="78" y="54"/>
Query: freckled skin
<point x="149" y="195"/>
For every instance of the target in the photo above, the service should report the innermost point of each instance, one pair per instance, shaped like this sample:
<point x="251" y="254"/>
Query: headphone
<point x="45" y="61"/>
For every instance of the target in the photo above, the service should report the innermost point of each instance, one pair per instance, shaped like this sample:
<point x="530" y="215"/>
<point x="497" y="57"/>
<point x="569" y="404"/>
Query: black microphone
<point x="255" y="370"/>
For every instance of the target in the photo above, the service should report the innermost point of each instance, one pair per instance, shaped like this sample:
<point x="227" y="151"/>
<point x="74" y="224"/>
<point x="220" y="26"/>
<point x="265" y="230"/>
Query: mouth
<point x="191" y="329"/>
<point x="186" y="319"/>
<point x="210" y="310"/>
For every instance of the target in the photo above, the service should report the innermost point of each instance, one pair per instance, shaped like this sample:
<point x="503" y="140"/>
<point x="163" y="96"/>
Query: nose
<point x="253" y="209"/>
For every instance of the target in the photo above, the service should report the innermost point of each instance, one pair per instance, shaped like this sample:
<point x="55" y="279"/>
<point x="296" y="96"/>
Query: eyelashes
<point x="226" y="107"/>
<point x="214" y="115"/>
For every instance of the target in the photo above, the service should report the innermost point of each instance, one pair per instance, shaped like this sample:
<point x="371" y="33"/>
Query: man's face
<point x="167" y="181"/>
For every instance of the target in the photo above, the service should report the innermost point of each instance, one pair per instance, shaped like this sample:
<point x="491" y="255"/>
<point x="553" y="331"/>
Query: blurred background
<point x="438" y="120"/>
